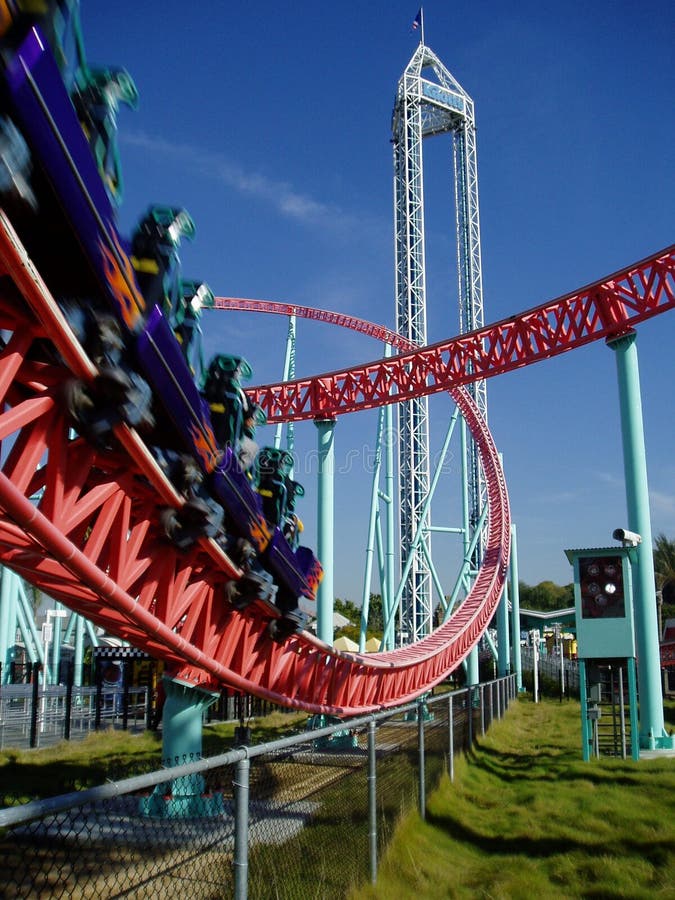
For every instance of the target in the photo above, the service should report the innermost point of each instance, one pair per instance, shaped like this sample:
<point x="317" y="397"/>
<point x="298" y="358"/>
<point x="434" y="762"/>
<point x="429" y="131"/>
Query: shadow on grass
<point x="546" y="767"/>
<point x="656" y="853"/>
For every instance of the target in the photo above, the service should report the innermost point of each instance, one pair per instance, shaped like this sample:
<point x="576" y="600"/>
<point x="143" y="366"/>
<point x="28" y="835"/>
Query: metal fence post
<point x="422" y="773"/>
<point x="240" y="861"/>
<point x="148" y="696"/>
<point x="125" y="695"/>
<point x="99" y="695"/>
<point x="35" y="675"/>
<point x="372" y="800"/>
<point x="69" y="699"/>
<point x="481" y="695"/>
<point x="451" y="739"/>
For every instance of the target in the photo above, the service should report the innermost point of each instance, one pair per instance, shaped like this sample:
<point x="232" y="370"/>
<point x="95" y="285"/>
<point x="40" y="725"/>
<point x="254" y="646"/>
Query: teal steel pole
<point x="289" y="373"/>
<point x="7" y="621"/>
<point x="372" y="522"/>
<point x="503" y="648"/>
<point x="652" y="727"/>
<point x="28" y="631"/>
<point x="79" y="651"/>
<point x="465" y="570"/>
<point x="56" y="643"/>
<point x="26" y="620"/>
<point x="515" y="610"/>
<point x="472" y="668"/>
<point x="503" y="633"/>
<point x="391" y="492"/>
<point x="325" y="518"/>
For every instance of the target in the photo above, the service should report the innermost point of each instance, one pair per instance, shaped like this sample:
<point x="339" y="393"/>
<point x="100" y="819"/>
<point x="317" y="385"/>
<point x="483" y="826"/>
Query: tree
<point x="353" y="613"/>
<point x="546" y="596"/>
<point x="664" y="573"/>
<point x="348" y="609"/>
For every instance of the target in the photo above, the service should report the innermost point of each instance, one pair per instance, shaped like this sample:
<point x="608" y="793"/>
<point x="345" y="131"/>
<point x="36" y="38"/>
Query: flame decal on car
<point x="204" y="443"/>
<point x="119" y="275"/>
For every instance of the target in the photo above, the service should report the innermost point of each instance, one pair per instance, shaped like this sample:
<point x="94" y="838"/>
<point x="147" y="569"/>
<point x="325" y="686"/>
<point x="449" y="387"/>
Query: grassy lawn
<point x="526" y="817"/>
<point x="111" y="755"/>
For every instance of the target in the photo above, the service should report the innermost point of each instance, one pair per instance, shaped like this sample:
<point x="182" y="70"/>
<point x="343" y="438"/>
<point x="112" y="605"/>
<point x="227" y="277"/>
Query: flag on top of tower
<point x="417" y="21"/>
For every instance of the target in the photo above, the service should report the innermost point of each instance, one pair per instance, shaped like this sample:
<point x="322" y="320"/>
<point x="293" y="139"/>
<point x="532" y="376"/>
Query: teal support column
<point x="391" y="492"/>
<point x="372" y="527"/>
<point x="472" y="673"/>
<point x="515" y="611"/>
<point x="503" y="654"/>
<point x="79" y="651"/>
<point x="503" y="648"/>
<point x="325" y="519"/>
<point x="652" y="726"/>
<point x="289" y="373"/>
<point x="56" y="643"/>
<point x="25" y="617"/>
<point x="28" y="631"/>
<point x="472" y="670"/>
<point x="7" y="621"/>
<point x="182" y="718"/>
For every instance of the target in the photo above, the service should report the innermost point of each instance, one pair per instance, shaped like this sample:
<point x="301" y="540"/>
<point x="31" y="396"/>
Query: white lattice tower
<point x="427" y="106"/>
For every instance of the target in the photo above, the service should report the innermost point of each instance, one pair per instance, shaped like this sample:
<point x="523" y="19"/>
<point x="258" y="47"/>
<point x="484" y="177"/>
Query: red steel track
<point x="81" y="524"/>
<point x="603" y="309"/>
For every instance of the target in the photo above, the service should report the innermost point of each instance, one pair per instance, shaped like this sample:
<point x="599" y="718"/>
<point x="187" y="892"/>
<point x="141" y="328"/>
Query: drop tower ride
<point x="429" y="102"/>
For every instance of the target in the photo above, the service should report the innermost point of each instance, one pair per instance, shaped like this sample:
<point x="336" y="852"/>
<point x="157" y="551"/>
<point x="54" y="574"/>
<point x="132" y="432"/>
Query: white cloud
<point x="663" y="504"/>
<point x="280" y="195"/>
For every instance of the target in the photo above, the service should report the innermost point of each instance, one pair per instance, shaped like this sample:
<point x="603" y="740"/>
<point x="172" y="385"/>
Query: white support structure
<point x="427" y="106"/>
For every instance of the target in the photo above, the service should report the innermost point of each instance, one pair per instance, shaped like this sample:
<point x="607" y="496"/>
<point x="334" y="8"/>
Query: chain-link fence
<point x="299" y="817"/>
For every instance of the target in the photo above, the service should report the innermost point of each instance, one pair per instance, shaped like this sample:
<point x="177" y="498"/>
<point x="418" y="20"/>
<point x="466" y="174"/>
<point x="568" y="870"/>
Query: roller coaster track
<point x="81" y="523"/>
<point x="604" y="309"/>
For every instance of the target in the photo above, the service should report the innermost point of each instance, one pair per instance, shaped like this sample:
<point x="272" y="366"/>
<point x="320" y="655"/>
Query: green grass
<point x="526" y="817"/>
<point x="111" y="755"/>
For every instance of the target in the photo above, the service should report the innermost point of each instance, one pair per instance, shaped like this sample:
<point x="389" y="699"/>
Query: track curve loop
<point x="82" y="525"/>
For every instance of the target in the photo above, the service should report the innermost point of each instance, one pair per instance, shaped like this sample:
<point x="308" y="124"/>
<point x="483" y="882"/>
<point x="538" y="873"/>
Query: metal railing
<point x="302" y="816"/>
<point x="35" y="716"/>
<point x="549" y="666"/>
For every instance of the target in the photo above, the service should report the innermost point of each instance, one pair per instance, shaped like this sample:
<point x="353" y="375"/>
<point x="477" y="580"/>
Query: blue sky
<point x="270" y="123"/>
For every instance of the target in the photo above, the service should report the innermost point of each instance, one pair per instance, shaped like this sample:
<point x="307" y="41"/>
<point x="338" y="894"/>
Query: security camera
<point x="629" y="538"/>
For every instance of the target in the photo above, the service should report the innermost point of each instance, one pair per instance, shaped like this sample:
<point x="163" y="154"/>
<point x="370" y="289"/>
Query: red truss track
<point x="81" y="524"/>
<point x="603" y="309"/>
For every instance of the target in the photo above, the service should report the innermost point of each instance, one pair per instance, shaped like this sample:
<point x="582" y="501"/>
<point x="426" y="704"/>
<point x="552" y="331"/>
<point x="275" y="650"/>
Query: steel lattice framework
<point x="425" y="108"/>
<point x="92" y="539"/>
<point x="606" y="308"/>
<point x="82" y="524"/>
